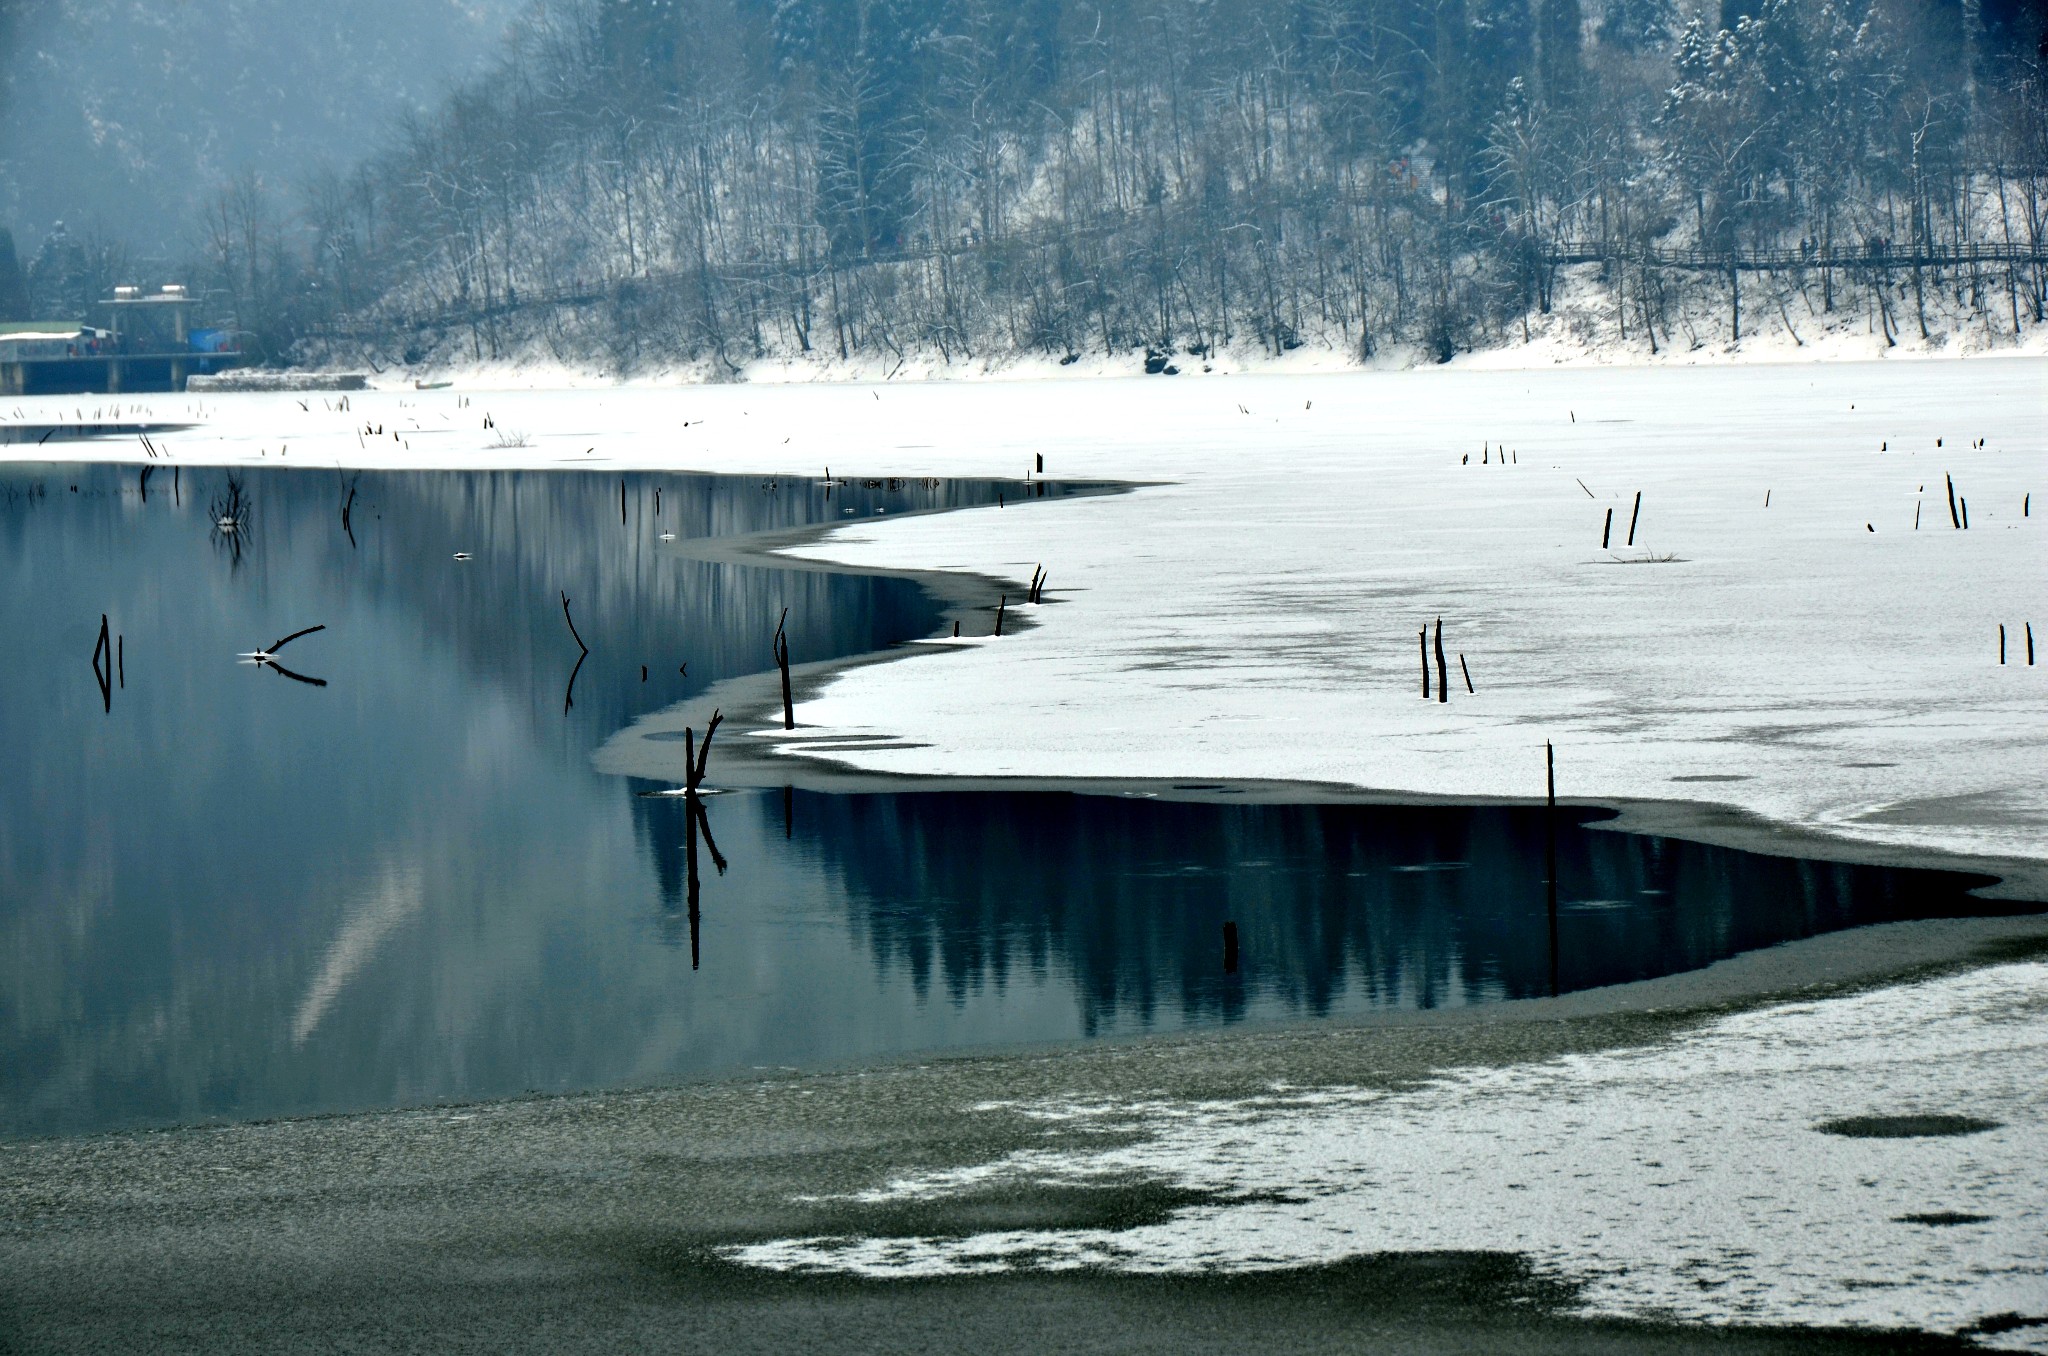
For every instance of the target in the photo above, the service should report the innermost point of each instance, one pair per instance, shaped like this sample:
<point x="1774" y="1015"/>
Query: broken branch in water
<point x="695" y="758"/>
<point x="282" y="671"/>
<point x="572" y="625"/>
<point x="569" y="692"/>
<point x="277" y="645"/>
<point x="267" y="656"/>
<point x="704" y="753"/>
<point x="102" y="653"/>
<point x="703" y="822"/>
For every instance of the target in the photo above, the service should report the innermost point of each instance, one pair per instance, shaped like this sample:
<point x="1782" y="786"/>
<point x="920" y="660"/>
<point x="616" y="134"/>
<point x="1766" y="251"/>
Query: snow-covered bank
<point x="1696" y="1181"/>
<point x="1784" y="318"/>
<point x="1786" y="323"/>
<point x="1780" y="639"/>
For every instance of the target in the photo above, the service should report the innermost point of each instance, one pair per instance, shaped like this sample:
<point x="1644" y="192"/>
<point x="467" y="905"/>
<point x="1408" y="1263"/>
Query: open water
<point x="388" y="873"/>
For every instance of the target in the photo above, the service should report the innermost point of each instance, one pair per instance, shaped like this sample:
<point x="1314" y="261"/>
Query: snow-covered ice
<point x="1689" y="1180"/>
<point x="1780" y="639"/>
<point x="1818" y="661"/>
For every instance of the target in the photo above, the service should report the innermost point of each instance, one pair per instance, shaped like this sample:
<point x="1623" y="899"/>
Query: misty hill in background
<point x="122" y="118"/>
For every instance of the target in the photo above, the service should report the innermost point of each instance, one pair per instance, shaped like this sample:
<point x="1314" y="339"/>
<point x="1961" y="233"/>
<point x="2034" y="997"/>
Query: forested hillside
<point x="646" y="181"/>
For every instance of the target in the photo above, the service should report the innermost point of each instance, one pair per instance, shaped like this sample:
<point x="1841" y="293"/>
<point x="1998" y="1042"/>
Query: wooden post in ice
<point x="1443" y="676"/>
<point x="1953" y="520"/>
<point x="1001" y="604"/>
<point x="1606" y="529"/>
<point x="2001" y="642"/>
<point x="1422" y="640"/>
<point x="1633" y="516"/>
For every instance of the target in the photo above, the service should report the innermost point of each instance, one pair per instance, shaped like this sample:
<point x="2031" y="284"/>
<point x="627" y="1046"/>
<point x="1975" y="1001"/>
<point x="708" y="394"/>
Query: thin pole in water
<point x="1468" y="675"/>
<point x="1550" y="854"/>
<point x="1229" y="948"/>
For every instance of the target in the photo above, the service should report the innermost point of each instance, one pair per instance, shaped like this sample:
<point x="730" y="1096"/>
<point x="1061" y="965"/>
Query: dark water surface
<point x="228" y="894"/>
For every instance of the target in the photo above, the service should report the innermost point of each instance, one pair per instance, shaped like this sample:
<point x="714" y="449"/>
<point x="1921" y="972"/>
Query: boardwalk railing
<point x="1872" y="255"/>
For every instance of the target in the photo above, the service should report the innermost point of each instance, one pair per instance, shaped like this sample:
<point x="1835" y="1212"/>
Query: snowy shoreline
<point x="1576" y="335"/>
<point x="1252" y="614"/>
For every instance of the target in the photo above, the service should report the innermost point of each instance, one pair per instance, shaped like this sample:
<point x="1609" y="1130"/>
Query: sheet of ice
<point x="1779" y="621"/>
<point x="1779" y="638"/>
<point x="1686" y="1180"/>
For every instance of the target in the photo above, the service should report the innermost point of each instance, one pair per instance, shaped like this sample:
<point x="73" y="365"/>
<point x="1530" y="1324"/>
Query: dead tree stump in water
<point x="781" y="648"/>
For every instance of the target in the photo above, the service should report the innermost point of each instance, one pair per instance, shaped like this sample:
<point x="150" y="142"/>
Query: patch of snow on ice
<point x="1686" y="1180"/>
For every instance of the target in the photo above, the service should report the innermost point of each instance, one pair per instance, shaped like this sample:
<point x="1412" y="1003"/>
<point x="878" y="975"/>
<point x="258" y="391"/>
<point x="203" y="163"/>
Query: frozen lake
<point x="230" y="895"/>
